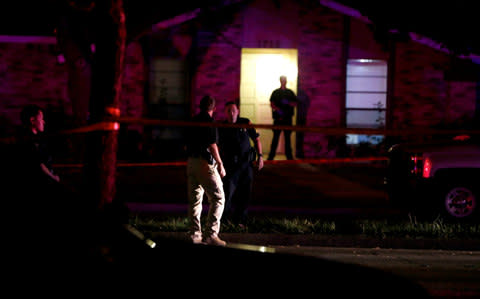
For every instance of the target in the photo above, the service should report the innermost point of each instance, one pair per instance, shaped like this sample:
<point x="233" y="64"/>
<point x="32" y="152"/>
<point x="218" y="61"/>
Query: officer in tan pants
<point x="204" y="175"/>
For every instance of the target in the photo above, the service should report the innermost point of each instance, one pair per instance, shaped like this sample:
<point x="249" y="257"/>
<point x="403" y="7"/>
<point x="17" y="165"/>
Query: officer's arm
<point x="258" y="147"/>
<point x="216" y="156"/>
<point x="49" y="173"/>
<point x="274" y="108"/>
<point x="272" y="102"/>
<point x="255" y="137"/>
<point x="293" y="99"/>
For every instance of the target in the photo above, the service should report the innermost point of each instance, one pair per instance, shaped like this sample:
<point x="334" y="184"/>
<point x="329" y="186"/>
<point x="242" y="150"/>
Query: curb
<point x="336" y="241"/>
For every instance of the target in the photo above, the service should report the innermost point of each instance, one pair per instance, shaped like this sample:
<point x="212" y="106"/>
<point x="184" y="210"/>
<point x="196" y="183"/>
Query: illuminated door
<point x="260" y="73"/>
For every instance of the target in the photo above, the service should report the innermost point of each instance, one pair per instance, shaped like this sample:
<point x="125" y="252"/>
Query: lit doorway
<point x="260" y="73"/>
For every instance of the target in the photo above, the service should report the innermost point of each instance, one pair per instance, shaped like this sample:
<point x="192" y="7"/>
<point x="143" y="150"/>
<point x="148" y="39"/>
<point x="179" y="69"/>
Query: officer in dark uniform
<point x="239" y="158"/>
<point x="282" y="100"/>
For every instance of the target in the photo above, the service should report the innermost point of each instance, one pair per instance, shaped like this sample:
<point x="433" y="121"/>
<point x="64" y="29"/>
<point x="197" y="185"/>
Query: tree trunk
<point x="107" y="70"/>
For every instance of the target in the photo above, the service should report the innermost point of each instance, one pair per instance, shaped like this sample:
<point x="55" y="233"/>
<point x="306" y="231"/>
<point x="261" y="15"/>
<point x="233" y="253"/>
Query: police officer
<point x="282" y="100"/>
<point x="204" y="175"/>
<point x="239" y="158"/>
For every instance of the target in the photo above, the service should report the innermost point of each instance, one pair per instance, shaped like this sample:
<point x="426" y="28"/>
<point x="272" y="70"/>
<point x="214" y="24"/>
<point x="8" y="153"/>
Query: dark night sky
<point x="453" y="23"/>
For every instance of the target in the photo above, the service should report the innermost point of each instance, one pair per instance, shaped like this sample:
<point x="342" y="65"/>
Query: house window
<point x="168" y="95"/>
<point x="366" y="98"/>
<point x="167" y="100"/>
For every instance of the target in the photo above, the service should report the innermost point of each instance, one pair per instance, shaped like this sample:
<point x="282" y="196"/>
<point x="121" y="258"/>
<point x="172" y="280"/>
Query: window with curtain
<point x="366" y="98"/>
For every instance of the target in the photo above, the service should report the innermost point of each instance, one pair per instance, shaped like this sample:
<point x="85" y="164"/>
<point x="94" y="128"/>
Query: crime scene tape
<point x="100" y="126"/>
<point x="299" y="128"/>
<point x="184" y="163"/>
<point x="114" y="123"/>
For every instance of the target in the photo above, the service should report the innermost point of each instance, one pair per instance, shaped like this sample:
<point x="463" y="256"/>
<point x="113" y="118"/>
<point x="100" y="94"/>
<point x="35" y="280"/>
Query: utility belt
<point x="247" y="157"/>
<point x="207" y="156"/>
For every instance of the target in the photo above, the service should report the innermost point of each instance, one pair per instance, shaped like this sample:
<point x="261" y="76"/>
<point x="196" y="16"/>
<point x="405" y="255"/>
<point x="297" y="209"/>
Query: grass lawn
<point x="406" y="228"/>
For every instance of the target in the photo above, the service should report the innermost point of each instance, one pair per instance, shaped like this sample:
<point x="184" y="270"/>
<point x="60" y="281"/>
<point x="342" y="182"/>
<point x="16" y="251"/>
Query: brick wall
<point x="422" y="96"/>
<point x="460" y="105"/>
<point x="218" y="70"/>
<point x="420" y="92"/>
<point x="321" y="74"/>
<point x="30" y="74"/>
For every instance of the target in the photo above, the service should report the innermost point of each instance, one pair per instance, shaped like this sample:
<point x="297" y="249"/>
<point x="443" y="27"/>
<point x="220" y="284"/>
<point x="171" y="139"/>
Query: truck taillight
<point x="427" y="167"/>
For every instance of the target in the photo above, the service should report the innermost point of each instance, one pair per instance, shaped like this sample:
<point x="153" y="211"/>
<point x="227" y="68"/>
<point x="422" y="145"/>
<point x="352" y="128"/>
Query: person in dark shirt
<point x="239" y="157"/>
<point x="34" y="157"/>
<point x="283" y="101"/>
<point x="205" y="171"/>
<point x="35" y="187"/>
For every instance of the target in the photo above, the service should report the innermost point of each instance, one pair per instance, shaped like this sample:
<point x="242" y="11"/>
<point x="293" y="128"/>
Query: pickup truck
<point x="440" y="177"/>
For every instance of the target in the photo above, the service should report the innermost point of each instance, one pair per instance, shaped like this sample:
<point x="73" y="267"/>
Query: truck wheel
<point x="460" y="202"/>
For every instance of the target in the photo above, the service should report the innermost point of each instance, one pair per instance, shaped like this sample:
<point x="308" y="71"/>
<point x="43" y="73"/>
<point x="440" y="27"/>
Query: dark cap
<point x="28" y="112"/>
<point x="207" y="103"/>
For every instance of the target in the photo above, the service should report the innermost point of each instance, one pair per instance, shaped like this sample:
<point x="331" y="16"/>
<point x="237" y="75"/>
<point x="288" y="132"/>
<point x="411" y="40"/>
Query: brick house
<point x="343" y="76"/>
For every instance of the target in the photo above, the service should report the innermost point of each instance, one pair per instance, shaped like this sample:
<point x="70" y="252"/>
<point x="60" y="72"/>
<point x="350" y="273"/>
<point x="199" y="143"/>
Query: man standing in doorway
<point x="283" y="101"/>
<point x="204" y="175"/>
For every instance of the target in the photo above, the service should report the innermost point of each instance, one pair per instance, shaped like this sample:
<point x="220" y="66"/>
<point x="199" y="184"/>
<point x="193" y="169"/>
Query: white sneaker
<point x="196" y="239"/>
<point x="215" y="240"/>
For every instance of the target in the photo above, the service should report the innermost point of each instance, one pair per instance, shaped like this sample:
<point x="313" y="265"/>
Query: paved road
<point x="441" y="272"/>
